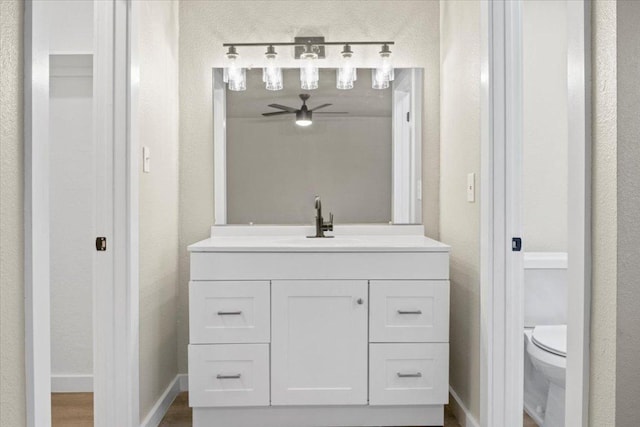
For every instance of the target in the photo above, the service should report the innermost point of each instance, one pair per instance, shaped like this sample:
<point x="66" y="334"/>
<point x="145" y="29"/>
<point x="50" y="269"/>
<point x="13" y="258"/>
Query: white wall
<point x="71" y="225"/>
<point x="602" y="391"/>
<point x="71" y="194"/>
<point x="275" y="168"/>
<point x="205" y="25"/>
<point x="12" y="368"/>
<point x="459" y="219"/>
<point x="158" y="127"/>
<point x="545" y="126"/>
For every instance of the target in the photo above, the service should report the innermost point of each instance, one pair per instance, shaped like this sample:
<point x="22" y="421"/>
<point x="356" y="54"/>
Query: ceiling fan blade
<point x="332" y="112"/>
<point x="277" y="113"/>
<point x="283" y="107"/>
<point x="321" y="106"/>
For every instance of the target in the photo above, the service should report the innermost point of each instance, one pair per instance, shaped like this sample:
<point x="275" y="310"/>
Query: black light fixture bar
<point x="304" y="44"/>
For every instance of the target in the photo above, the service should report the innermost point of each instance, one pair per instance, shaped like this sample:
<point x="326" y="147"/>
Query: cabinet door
<point x="319" y="342"/>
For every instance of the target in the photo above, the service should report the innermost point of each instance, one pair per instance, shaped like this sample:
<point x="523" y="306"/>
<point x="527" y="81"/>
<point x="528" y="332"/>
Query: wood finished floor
<point x="76" y="410"/>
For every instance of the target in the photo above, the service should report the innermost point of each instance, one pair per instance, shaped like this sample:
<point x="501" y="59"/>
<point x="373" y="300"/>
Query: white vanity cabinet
<point x="296" y="332"/>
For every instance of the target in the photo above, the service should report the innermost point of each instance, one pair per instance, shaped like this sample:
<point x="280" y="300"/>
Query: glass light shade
<point x="346" y="74"/>
<point x="309" y="71"/>
<point x="385" y="67"/>
<point x="234" y="75"/>
<point x="272" y="74"/>
<point x="379" y="80"/>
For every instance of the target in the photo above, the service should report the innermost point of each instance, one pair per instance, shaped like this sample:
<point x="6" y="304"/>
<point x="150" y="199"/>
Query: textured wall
<point x="604" y="220"/>
<point x="545" y="125"/>
<point x="158" y="121"/>
<point x="459" y="219"/>
<point x="205" y="25"/>
<point x="12" y="391"/>
<point x="628" y="318"/>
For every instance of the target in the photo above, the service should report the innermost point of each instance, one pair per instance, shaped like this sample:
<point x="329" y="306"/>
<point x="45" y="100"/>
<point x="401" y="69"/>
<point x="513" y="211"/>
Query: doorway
<point x="80" y="212"/>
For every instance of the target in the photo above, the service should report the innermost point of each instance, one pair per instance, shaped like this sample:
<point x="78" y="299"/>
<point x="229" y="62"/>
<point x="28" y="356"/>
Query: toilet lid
<point x="551" y="338"/>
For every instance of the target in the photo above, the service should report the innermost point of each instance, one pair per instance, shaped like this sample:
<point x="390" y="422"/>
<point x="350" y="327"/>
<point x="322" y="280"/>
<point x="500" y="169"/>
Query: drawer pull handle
<point x="228" y="377"/>
<point x="409" y="311"/>
<point x="229" y="313"/>
<point x="414" y="375"/>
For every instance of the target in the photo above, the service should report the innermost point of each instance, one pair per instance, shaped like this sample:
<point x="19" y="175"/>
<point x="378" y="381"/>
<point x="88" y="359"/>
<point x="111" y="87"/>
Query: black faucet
<point x="322" y="226"/>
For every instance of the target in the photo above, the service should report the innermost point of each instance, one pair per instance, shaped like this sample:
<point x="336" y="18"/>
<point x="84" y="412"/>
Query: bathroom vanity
<point x="287" y="330"/>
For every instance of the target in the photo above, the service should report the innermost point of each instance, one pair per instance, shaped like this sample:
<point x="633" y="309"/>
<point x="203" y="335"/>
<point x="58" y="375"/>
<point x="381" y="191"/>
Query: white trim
<point x="36" y="216"/>
<point x="219" y="147"/>
<point x="460" y="411"/>
<point x="71" y="383"/>
<point x="184" y="382"/>
<point x="579" y="212"/>
<point x="545" y="260"/>
<point x="162" y="405"/>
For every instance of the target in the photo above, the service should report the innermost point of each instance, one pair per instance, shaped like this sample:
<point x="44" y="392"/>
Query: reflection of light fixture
<point x="303" y="117"/>
<point x="309" y="70"/>
<point x="346" y="74"/>
<point x="381" y="76"/>
<point x="234" y="75"/>
<point x="272" y="74"/>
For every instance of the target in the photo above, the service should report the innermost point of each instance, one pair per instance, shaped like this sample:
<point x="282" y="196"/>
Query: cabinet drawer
<point x="409" y="311"/>
<point x="408" y="374"/>
<point x="229" y="312"/>
<point x="229" y="375"/>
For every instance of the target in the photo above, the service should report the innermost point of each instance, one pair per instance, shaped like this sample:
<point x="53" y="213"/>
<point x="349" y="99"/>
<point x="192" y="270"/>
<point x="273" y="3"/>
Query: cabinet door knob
<point x="360" y="301"/>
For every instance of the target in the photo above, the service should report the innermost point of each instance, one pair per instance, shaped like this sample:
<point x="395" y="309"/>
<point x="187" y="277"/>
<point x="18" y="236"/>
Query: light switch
<point x="146" y="160"/>
<point x="471" y="187"/>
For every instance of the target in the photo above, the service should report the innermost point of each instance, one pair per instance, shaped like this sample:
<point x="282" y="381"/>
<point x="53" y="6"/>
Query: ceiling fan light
<point x="346" y="73"/>
<point x="272" y="74"/>
<point x="309" y="75"/>
<point x="303" y="118"/>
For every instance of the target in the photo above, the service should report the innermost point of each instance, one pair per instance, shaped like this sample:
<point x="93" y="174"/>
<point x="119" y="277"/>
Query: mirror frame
<point x="406" y="170"/>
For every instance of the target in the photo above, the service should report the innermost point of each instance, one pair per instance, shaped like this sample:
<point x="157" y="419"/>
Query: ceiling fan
<point x="303" y="114"/>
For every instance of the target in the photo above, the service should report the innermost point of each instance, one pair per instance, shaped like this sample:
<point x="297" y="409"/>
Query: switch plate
<point x="471" y="187"/>
<point x="146" y="160"/>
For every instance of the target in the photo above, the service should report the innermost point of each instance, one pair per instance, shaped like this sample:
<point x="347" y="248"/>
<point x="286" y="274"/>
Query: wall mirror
<point x="361" y="153"/>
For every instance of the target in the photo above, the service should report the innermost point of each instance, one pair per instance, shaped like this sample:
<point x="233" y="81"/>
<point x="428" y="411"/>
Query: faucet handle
<point x="329" y="225"/>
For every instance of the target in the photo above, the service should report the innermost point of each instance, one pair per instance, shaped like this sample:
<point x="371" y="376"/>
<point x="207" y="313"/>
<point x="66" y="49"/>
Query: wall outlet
<point x="471" y="187"/>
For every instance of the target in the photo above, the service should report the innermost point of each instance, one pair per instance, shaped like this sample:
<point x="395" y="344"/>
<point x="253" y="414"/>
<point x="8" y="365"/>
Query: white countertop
<point x="343" y="241"/>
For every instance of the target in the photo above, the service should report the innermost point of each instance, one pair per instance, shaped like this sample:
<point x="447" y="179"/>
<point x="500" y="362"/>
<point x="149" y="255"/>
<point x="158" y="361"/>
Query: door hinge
<point x="101" y="243"/>
<point x="516" y="244"/>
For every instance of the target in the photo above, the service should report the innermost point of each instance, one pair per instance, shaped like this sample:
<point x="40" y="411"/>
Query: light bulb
<point x="346" y="74"/>
<point x="233" y="74"/>
<point x="272" y="74"/>
<point x="378" y="80"/>
<point x="309" y="70"/>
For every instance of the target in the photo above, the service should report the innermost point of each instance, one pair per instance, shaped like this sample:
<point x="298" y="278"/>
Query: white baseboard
<point x="71" y="383"/>
<point x="184" y="382"/>
<point x="460" y="411"/>
<point x="155" y="415"/>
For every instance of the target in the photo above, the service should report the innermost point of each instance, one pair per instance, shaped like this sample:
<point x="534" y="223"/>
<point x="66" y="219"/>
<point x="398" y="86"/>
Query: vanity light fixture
<point x="234" y="75"/>
<point x="346" y="74"/>
<point x="383" y="74"/>
<point x="272" y="74"/>
<point x="309" y="50"/>
<point x="309" y="75"/>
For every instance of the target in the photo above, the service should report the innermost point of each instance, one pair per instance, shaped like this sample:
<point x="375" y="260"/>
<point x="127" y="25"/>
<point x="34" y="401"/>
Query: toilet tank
<point x="545" y="288"/>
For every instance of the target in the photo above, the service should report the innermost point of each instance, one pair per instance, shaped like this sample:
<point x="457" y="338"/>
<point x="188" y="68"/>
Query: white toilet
<point x="545" y="336"/>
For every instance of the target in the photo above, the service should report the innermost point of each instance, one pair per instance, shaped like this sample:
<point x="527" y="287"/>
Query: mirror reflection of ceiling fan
<point x="303" y="114"/>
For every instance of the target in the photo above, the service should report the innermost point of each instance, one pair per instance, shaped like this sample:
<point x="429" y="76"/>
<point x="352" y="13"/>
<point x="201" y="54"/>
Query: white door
<point x="319" y="342"/>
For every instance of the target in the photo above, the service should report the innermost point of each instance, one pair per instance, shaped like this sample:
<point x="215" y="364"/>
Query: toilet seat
<point x="551" y="338"/>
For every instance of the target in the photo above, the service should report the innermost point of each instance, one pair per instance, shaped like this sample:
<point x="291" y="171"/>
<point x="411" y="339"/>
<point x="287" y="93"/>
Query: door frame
<point x="115" y="289"/>
<point x="502" y="298"/>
